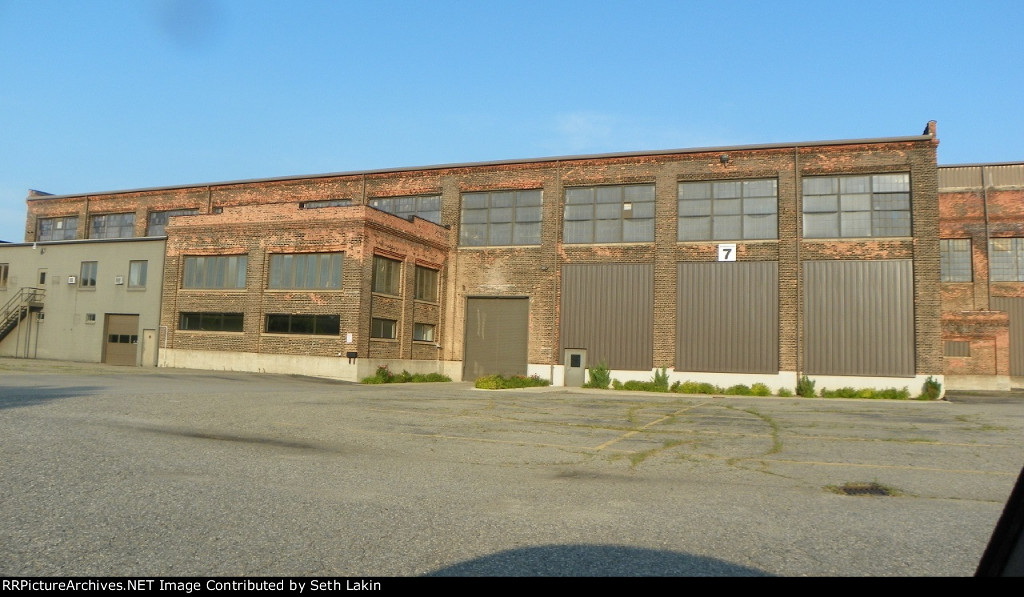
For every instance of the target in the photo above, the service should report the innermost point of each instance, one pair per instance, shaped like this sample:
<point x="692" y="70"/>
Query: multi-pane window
<point x="88" y="277"/>
<point x="137" y="274"/>
<point x="1006" y="259"/>
<point x="383" y="328"/>
<point x="222" y="271"/>
<point x="305" y="270"/>
<point x="65" y="228"/>
<point x="856" y="206"/>
<point x="286" y="323"/>
<point x="427" y="207"/>
<point x="955" y="259"/>
<point x="112" y="226"/>
<point x="499" y="218"/>
<point x="158" y="220"/>
<point x="728" y="210"/>
<point x="426" y="283"/>
<point x="4" y="267"/>
<point x="325" y="203"/>
<point x="609" y="214"/>
<point x="423" y="332"/>
<point x="387" y="275"/>
<point x="211" y="322"/>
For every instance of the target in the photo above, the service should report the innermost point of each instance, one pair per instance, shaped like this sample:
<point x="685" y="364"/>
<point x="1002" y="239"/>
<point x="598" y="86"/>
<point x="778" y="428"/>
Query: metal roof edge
<point x="80" y="241"/>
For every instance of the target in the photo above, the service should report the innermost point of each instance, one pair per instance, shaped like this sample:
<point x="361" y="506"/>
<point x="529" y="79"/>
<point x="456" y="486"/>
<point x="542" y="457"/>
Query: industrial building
<point x="840" y="260"/>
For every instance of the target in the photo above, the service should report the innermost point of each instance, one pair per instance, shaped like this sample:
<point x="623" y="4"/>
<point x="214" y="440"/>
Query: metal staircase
<point x="23" y="302"/>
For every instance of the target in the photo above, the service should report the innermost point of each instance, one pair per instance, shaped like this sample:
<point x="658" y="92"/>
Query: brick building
<point x="729" y="265"/>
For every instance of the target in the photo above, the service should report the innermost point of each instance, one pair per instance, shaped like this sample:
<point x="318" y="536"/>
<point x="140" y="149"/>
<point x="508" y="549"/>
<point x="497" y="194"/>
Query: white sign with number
<point x="727" y="252"/>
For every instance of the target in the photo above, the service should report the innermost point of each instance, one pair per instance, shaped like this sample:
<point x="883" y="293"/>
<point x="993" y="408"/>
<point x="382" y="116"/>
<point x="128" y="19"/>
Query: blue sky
<point x="99" y="95"/>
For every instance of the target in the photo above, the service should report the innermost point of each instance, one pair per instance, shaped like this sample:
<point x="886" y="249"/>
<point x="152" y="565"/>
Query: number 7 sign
<point x="727" y="252"/>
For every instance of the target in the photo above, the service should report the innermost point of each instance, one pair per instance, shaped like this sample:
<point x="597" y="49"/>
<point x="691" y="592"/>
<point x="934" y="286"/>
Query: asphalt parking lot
<point x="160" y="472"/>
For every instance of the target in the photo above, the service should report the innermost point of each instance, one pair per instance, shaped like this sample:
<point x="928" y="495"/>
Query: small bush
<point x="738" y="390"/>
<point x="660" y="380"/>
<point x="868" y="393"/>
<point x="600" y="377"/>
<point x="693" y="387"/>
<point x="384" y="375"/>
<point x="759" y="389"/>
<point x="785" y="393"/>
<point x="805" y="387"/>
<point x="500" y="382"/>
<point x="931" y="390"/>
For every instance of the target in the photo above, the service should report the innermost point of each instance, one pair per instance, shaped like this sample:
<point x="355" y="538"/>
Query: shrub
<point x="869" y="393"/>
<point x="759" y="389"/>
<point x="384" y="375"/>
<point x="693" y="387"/>
<point x="500" y="382"/>
<point x="805" y="387"/>
<point x="600" y="377"/>
<point x="931" y="390"/>
<point x="738" y="390"/>
<point x="785" y="393"/>
<point x="660" y="380"/>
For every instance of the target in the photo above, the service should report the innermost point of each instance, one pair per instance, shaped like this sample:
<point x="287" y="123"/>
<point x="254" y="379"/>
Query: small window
<point x="225" y="271"/>
<point x="158" y="220"/>
<point x="423" y="332"/>
<point x="285" y="323"/>
<point x="955" y="259"/>
<point x="427" y="284"/>
<point x="325" y="203"/>
<point x="112" y="226"/>
<point x="387" y="275"/>
<point x="65" y="228"/>
<point x="1006" y="259"/>
<point x="211" y="322"/>
<point x="3" y="274"/>
<point x="90" y="318"/>
<point x="305" y="270"/>
<point x="427" y="207"/>
<point x="88" y="277"/>
<point x="383" y="328"/>
<point x="137" y="274"/>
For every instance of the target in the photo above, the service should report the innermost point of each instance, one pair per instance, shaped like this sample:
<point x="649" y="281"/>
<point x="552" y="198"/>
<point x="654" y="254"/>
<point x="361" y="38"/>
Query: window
<point x="158" y="220"/>
<point x="215" y="272"/>
<point x="427" y="207"/>
<point x="211" y="322"/>
<point x="387" y="275"/>
<point x="3" y="274"/>
<point x="423" y="332"/>
<point x="609" y="214"/>
<point x="284" y="323"/>
<point x="955" y="259"/>
<point x="427" y="283"/>
<point x="90" y="318"/>
<point x="1006" y="259"/>
<point x="383" y="328"/>
<point x="137" y="274"/>
<point x="728" y="210"/>
<point x="325" y="203"/>
<point x="122" y="339"/>
<point x="112" y="226"/>
<point x="88" y="277"/>
<point x="65" y="228"/>
<point x="500" y="218"/>
<point x="305" y="270"/>
<point x="857" y="206"/>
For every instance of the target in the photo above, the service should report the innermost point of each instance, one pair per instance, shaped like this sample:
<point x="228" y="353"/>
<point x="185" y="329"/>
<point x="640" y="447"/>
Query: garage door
<point x="1013" y="306"/>
<point x="496" y="336"/>
<point x="122" y="340"/>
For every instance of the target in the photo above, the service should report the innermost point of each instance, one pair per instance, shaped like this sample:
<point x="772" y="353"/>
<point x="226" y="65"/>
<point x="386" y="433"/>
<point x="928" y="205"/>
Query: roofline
<point x="566" y="158"/>
<point x="1017" y="163"/>
<point x="85" y="241"/>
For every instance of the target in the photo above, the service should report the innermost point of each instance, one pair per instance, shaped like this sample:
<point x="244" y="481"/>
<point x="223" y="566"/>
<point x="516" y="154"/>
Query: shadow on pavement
<point x="593" y="560"/>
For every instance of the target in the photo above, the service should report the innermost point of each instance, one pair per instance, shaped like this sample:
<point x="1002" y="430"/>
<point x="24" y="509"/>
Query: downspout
<point x="984" y="206"/>
<point x="798" y="196"/>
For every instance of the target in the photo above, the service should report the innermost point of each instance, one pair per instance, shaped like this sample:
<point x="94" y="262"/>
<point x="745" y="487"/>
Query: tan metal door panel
<point x="121" y="340"/>
<point x="1014" y="307"/>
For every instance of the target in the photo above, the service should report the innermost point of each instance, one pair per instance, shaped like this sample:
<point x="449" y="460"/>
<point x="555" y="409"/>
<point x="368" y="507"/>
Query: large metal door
<point x="497" y="331"/>
<point x="121" y="340"/>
